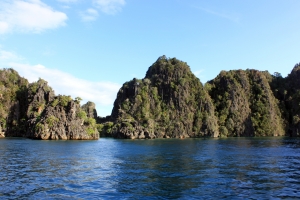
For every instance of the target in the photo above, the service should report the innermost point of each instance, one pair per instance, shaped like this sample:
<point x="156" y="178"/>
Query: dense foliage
<point x="245" y="104"/>
<point x="13" y="102"/>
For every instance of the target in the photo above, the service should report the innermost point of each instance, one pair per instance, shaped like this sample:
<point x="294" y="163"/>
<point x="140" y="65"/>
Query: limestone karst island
<point x="170" y="102"/>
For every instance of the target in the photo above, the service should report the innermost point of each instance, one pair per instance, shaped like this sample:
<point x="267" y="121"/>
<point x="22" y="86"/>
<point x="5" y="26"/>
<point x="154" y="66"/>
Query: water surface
<point x="233" y="168"/>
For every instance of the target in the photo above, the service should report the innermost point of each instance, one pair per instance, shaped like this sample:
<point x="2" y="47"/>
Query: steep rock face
<point x="56" y="117"/>
<point x="245" y="104"/>
<point x="169" y="102"/>
<point x="39" y="96"/>
<point x="64" y="119"/>
<point x="13" y="103"/>
<point x="292" y="98"/>
<point x="90" y="109"/>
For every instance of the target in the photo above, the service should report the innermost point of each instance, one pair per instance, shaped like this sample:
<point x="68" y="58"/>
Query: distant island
<point x="170" y="102"/>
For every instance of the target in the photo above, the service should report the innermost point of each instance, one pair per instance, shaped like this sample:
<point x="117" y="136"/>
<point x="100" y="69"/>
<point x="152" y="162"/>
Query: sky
<point x="89" y="48"/>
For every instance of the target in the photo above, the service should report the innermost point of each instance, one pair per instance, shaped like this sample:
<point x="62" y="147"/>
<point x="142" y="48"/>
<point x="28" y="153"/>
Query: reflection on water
<point x="166" y="168"/>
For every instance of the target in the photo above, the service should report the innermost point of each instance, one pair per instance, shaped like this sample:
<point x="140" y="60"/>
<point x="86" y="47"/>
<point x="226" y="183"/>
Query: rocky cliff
<point x="13" y="103"/>
<point x="33" y="110"/>
<point x="57" y="117"/>
<point x="245" y="104"/>
<point x="170" y="102"/>
<point x="292" y="99"/>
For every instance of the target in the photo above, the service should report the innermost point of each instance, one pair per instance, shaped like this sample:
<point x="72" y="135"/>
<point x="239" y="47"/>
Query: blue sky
<point x="89" y="48"/>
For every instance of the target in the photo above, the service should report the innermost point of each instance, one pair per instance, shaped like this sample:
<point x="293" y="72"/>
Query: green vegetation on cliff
<point x="13" y="102"/>
<point x="293" y="100"/>
<point x="58" y="117"/>
<point x="169" y="102"/>
<point x="245" y="104"/>
<point x="32" y="110"/>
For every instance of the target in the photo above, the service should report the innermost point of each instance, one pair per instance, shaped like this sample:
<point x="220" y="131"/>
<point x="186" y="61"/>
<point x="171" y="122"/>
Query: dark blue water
<point x="234" y="168"/>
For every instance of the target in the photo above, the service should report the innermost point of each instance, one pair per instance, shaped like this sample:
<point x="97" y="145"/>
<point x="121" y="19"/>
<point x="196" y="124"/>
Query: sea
<point x="229" y="168"/>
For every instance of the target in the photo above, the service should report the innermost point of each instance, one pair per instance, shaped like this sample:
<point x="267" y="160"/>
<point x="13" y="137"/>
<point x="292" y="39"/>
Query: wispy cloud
<point x="109" y="6"/>
<point x="68" y="1"/>
<point x="201" y="75"/>
<point x="102" y="93"/>
<point x="223" y="15"/>
<point x="29" y="16"/>
<point x="198" y="72"/>
<point x="6" y="56"/>
<point x="89" y="15"/>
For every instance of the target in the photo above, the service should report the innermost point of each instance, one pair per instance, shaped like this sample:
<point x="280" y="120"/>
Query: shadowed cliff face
<point x="169" y="102"/>
<point x="245" y="104"/>
<point x="292" y="98"/>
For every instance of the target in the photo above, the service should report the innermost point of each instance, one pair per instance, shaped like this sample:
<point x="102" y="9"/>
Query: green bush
<point x="39" y="127"/>
<point x="55" y="102"/>
<point x="82" y="114"/>
<point x="52" y="120"/>
<point x="64" y="100"/>
<point x="90" y="130"/>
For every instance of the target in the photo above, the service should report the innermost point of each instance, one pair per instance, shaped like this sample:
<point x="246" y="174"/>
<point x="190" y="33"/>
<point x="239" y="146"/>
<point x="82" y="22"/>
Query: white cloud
<point x="29" y="16"/>
<point x="3" y="27"/>
<point x="102" y="94"/>
<point x="89" y="15"/>
<point x="109" y="6"/>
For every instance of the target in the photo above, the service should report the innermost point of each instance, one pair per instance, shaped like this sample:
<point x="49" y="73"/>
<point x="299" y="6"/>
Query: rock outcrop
<point x="38" y="98"/>
<point x="170" y="102"/>
<point x="13" y="103"/>
<point x="64" y="119"/>
<point x="90" y="109"/>
<point x="53" y="117"/>
<point x="33" y="111"/>
<point x="245" y="104"/>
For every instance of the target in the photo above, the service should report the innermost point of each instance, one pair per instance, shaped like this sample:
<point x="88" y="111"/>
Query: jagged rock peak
<point x="39" y="95"/>
<point x="170" y="67"/>
<point x="90" y="109"/>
